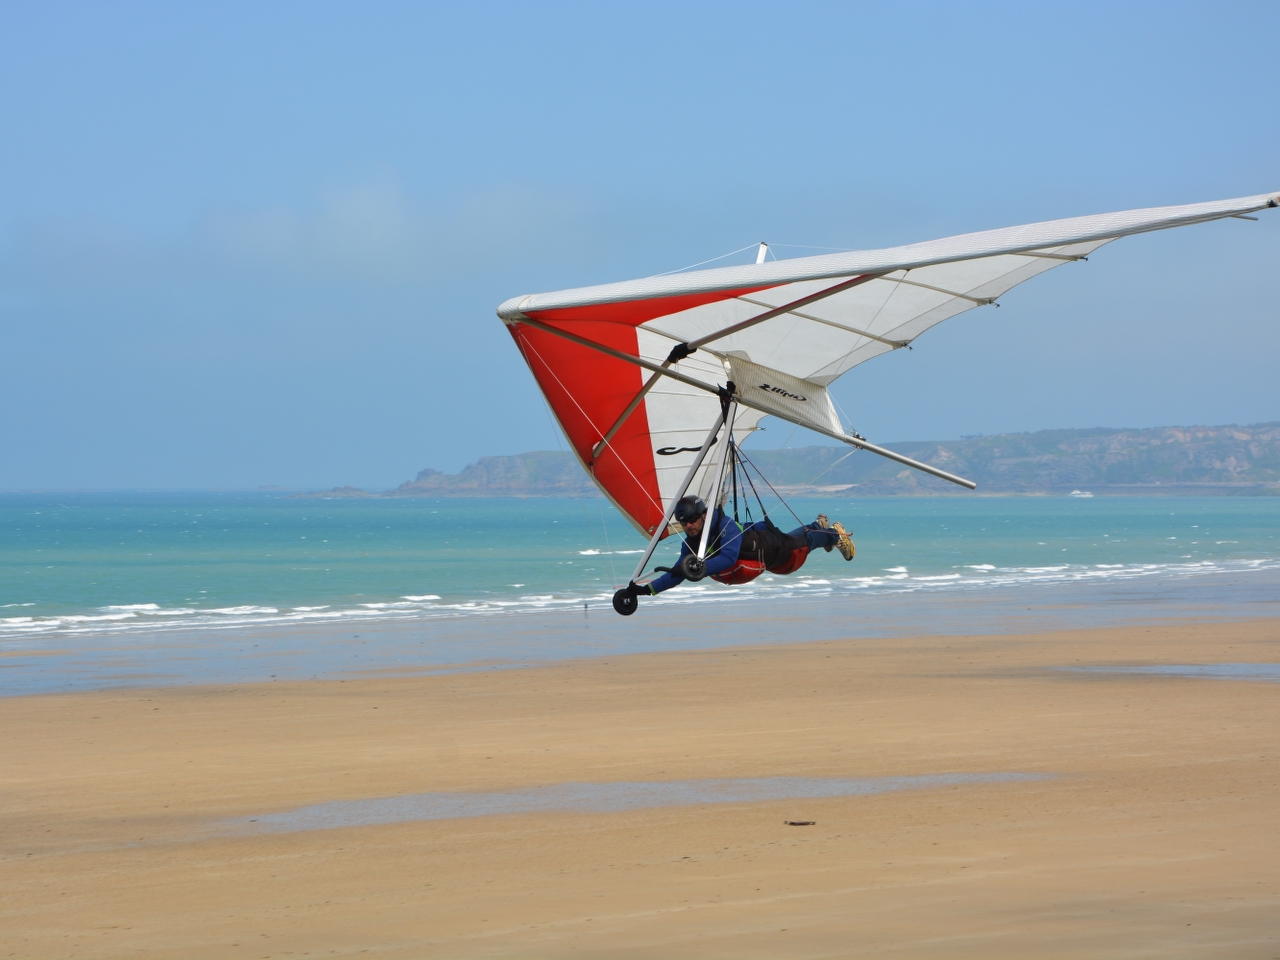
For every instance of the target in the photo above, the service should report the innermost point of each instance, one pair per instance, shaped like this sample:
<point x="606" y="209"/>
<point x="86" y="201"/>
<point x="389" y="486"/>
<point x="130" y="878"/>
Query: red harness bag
<point x="744" y="571"/>
<point x="792" y="563"/>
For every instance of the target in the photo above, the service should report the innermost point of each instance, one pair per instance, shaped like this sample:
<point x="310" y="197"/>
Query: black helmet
<point x="689" y="509"/>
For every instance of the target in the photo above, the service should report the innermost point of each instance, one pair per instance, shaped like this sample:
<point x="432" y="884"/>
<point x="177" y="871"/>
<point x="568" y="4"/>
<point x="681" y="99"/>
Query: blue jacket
<point x="722" y="549"/>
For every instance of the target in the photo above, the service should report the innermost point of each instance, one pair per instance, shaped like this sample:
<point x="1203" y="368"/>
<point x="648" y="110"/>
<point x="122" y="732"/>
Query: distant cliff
<point x="539" y="474"/>
<point x="1227" y="460"/>
<point x="1187" y="460"/>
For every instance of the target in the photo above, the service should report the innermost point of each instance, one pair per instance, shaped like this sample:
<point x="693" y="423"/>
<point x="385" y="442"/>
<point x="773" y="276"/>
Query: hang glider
<point x="636" y="372"/>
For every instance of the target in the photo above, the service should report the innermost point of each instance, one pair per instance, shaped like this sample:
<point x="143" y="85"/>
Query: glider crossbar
<point x="980" y="301"/>
<point x="896" y="344"/>
<point x="1070" y="258"/>
<point x="678" y="353"/>
<point x="622" y="417"/>
<point x="619" y="354"/>
<point x="786" y="308"/>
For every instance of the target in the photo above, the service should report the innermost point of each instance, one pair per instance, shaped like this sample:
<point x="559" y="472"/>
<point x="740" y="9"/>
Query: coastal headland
<point x="1184" y="461"/>
<point x="1122" y="814"/>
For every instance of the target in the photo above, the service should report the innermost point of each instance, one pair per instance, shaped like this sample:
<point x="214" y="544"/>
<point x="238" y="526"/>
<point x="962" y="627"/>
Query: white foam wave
<point x="152" y="617"/>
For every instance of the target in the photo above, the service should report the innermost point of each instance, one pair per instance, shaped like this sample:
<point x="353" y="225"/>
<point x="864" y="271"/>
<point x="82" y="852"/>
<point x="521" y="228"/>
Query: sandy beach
<point x="1150" y="832"/>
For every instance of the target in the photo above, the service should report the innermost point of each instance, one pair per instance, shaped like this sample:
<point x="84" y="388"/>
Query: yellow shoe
<point x="823" y="524"/>
<point x="845" y="545"/>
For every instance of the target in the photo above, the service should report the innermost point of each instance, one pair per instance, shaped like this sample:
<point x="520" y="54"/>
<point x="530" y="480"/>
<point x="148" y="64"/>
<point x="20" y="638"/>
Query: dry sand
<point x="1157" y="835"/>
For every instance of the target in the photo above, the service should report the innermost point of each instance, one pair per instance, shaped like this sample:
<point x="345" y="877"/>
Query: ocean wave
<point x="152" y="617"/>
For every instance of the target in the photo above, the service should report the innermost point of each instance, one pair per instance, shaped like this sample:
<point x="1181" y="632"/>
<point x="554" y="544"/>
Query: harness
<point x="761" y="549"/>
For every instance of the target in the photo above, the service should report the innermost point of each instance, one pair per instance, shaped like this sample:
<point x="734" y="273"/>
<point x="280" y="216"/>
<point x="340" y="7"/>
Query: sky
<point x="249" y="244"/>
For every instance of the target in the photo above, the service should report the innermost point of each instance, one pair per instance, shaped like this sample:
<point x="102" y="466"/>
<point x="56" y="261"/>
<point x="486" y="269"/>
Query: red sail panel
<point x="588" y="391"/>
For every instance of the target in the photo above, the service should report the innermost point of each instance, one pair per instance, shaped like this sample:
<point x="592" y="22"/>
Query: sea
<point x="100" y="589"/>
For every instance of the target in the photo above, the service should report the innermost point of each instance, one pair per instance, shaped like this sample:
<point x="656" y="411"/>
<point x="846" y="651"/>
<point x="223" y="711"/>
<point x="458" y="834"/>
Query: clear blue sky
<point x="262" y="243"/>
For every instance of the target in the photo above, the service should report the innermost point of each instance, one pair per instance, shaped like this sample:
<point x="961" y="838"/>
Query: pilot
<point x="737" y="553"/>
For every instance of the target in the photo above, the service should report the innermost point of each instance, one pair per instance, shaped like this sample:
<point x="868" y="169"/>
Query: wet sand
<point x="1152" y="831"/>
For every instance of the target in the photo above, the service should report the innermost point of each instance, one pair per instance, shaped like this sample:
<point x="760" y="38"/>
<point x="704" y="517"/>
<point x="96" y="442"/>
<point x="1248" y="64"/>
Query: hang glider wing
<point x="631" y="369"/>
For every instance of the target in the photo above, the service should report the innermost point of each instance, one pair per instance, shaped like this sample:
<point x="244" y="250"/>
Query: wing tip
<point x="509" y="310"/>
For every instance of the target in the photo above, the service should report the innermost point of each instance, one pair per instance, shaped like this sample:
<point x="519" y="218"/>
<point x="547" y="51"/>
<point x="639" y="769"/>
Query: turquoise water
<point x="76" y="564"/>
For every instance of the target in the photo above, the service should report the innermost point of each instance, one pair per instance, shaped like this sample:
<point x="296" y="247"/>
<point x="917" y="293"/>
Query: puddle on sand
<point x="598" y="798"/>
<point x="1208" y="671"/>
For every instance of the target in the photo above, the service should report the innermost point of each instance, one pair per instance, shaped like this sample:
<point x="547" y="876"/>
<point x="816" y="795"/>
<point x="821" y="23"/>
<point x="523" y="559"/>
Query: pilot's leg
<point x="816" y="536"/>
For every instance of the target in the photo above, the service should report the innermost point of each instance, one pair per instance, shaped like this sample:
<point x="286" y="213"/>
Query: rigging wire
<point x="747" y="477"/>
<point x="832" y="464"/>
<point x="733" y="477"/>
<point x="586" y="416"/>
<point x="546" y="408"/>
<point x="768" y="252"/>
<point x="748" y="461"/>
<point x="608" y="549"/>
<point x="701" y="262"/>
<point x="777" y="453"/>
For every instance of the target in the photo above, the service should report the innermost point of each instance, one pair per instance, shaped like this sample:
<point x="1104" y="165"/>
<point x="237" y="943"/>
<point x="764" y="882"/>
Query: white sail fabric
<point x="794" y="325"/>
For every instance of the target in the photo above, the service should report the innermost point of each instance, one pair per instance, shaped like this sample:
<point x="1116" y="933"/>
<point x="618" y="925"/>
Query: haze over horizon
<point x="253" y="245"/>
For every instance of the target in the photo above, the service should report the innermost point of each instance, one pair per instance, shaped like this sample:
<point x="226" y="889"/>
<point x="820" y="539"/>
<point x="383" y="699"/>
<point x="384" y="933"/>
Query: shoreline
<point x="505" y="640"/>
<point x="1143" y="822"/>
